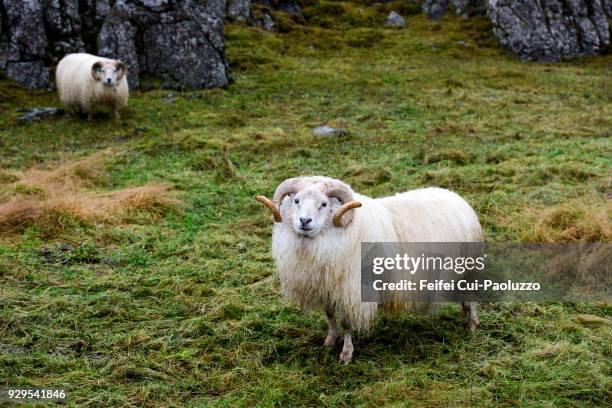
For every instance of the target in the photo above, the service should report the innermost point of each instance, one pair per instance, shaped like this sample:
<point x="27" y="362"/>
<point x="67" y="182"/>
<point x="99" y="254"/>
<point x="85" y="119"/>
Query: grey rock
<point x="190" y="51"/>
<point x="395" y="20"/>
<point x="23" y="42"/>
<point x="236" y="10"/>
<point x="327" y="131"/>
<point x="216" y="8"/>
<point x="434" y="9"/>
<point x="549" y="30"/>
<point x="289" y="7"/>
<point x="267" y="22"/>
<point x="32" y="74"/>
<point x="117" y="39"/>
<point x="239" y="10"/>
<point x="177" y="40"/>
<point x="607" y="6"/>
<point x="37" y="114"/>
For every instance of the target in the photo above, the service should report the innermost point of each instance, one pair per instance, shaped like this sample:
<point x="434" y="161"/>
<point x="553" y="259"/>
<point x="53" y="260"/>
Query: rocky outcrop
<point x="607" y="6"/>
<point x="177" y="40"/>
<point x="549" y="30"/>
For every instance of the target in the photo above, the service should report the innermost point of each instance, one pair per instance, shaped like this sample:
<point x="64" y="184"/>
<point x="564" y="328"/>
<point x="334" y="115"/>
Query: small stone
<point x="37" y="114"/>
<point x="290" y="7"/>
<point x="395" y="20"/>
<point x="434" y="9"/>
<point x="239" y="10"/>
<point x="327" y="131"/>
<point x="267" y="23"/>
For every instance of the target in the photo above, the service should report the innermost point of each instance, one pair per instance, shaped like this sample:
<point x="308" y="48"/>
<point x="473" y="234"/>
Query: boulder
<point x="550" y="30"/>
<point x="23" y="42"/>
<point x="180" y="41"/>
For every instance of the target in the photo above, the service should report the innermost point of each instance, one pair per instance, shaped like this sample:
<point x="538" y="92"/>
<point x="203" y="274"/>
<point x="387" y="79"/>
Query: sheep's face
<point x="108" y="73"/>
<point x="311" y="211"/>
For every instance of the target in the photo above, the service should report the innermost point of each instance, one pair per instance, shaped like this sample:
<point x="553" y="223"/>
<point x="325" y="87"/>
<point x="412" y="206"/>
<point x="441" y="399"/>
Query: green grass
<point x="186" y="311"/>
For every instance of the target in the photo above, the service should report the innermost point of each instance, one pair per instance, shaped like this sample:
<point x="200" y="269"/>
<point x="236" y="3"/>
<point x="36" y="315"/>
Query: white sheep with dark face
<point x="320" y="223"/>
<point x="85" y="82"/>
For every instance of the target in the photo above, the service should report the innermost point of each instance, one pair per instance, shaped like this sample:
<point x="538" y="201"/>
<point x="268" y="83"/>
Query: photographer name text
<point x="451" y="285"/>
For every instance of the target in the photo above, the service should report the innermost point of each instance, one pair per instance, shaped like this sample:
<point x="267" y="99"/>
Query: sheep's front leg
<point x="332" y="332"/>
<point x="116" y="111"/>
<point x="471" y="309"/>
<point x="347" y="349"/>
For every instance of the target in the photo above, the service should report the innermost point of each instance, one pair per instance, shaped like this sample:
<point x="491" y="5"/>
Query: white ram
<point x="85" y="82"/>
<point x="320" y="223"/>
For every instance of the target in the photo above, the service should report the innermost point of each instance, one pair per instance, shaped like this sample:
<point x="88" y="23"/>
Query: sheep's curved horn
<point x="120" y="66"/>
<point x="343" y="193"/>
<point x="337" y="218"/>
<point x="289" y="186"/>
<point x="94" y="70"/>
<point x="268" y="203"/>
<point x="340" y="191"/>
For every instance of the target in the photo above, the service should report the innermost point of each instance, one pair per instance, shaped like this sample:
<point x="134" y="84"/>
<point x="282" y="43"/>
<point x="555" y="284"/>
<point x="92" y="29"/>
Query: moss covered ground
<point x="177" y="305"/>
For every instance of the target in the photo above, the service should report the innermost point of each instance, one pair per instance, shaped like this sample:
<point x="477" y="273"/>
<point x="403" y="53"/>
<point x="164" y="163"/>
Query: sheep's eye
<point x="323" y="205"/>
<point x="98" y="69"/>
<point x="296" y="201"/>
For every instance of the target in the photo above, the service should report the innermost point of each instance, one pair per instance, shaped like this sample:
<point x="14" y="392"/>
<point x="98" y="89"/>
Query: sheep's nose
<point x="305" y="220"/>
<point x="109" y="80"/>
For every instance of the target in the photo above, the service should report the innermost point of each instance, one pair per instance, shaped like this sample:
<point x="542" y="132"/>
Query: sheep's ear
<point x="120" y="67"/>
<point x="94" y="70"/>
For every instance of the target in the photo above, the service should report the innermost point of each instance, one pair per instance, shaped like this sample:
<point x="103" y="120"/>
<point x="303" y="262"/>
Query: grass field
<point x="130" y="298"/>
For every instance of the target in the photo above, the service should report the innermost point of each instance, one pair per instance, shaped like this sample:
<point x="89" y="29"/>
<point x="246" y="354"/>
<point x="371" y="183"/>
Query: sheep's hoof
<point x="346" y="357"/>
<point x="474" y="324"/>
<point x="330" y="340"/>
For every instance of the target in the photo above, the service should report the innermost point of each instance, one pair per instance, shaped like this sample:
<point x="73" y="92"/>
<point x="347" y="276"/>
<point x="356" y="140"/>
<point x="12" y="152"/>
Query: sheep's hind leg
<point x="471" y="309"/>
<point x="332" y="332"/>
<point x="116" y="112"/>
<point x="347" y="349"/>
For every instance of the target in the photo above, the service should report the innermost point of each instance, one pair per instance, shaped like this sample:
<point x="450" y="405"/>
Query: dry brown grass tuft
<point x="595" y="269"/>
<point x="574" y="222"/>
<point x="57" y="199"/>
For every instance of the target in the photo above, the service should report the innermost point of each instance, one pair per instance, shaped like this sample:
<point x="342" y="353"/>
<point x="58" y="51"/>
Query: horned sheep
<point x="319" y="225"/>
<point x="85" y="82"/>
